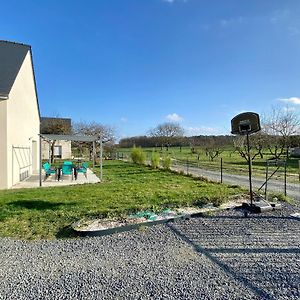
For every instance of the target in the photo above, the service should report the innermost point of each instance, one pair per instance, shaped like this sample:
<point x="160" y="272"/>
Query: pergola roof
<point x="67" y="137"/>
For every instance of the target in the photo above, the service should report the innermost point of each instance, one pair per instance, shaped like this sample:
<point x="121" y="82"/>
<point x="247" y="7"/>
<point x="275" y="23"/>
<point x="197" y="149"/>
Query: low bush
<point x="155" y="160"/>
<point x="166" y="162"/>
<point x="280" y="197"/>
<point x="138" y="156"/>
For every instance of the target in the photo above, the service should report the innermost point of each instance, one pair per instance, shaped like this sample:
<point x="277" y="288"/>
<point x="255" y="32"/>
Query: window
<point x="57" y="151"/>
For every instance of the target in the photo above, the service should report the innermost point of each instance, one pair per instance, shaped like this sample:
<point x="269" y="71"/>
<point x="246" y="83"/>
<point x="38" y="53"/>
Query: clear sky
<point x="134" y="64"/>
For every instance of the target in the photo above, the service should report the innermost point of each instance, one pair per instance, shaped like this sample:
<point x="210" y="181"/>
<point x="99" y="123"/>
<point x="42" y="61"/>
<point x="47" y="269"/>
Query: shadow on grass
<point x="38" y="204"/>
<point x="66" y="232"/>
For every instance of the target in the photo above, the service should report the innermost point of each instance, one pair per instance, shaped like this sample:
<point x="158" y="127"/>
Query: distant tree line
<point x="183" y="141"/>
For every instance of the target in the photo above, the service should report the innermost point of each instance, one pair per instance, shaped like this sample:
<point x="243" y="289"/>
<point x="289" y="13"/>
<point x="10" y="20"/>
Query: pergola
<point x="76" y="138"/>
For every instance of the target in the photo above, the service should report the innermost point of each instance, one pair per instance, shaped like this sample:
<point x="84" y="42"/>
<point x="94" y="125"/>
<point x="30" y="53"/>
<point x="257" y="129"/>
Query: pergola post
<point x="101" y="153"/>
<point x="49" y="152"/>
<point x="93" y="154"/>
<point x="41" y="163"/>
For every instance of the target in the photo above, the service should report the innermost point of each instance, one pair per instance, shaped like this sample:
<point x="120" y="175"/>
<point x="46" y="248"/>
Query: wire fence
<point x="272" y="176"/>
<point x="277" y="169"/>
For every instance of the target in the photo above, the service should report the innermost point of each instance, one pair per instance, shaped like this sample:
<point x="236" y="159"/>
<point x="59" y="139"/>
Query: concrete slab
<point x="33" y="181"/>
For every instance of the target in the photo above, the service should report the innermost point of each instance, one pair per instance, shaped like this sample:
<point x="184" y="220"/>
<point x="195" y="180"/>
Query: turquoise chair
<point x="48" y="170"/>
<point x="68" y="163"/>
<point x="67" y="169"/>
<point x="83" y="169"/>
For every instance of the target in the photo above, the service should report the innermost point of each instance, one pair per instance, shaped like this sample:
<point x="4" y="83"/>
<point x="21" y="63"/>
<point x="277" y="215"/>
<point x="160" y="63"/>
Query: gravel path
<point x="224" y="256"/>
<point x="293" y="190"/>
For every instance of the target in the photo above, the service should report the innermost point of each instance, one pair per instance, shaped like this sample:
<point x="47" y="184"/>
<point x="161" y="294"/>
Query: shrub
<point x="155" y="159"/>
<point x="166" y="162"/>
<point x="280" y="197"/>
<point x="138" y="156"/>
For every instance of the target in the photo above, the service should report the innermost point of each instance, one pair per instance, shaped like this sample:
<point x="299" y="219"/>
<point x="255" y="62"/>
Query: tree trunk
<point x="52" y="152"/>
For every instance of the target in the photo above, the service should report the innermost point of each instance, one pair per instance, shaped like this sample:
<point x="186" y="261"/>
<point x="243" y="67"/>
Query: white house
<point x="19" y="114"/>
<point x="62" y="149"/>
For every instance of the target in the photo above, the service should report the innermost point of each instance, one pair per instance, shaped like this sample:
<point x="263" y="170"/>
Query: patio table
<point x="59" y="171"/>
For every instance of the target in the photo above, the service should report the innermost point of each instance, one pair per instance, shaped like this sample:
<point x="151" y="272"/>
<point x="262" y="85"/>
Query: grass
<point x="281" y="197"/>
<point x="232" y="161"/>
<point x="48" y="212"/>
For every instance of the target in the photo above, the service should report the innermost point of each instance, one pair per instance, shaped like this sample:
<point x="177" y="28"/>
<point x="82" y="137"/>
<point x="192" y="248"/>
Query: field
<point x="48" y="212"/>
<point x="232" y="161"/>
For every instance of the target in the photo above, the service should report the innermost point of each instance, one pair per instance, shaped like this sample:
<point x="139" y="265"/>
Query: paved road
<point x="293" y="190"/>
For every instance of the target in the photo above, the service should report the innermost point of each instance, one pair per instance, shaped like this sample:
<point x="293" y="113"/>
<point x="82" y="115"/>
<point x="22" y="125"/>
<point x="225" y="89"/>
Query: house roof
<point x="12" y="56"/>
<point x="66" y="137"/>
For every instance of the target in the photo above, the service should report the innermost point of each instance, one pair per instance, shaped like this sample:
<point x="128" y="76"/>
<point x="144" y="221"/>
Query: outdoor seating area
<point x="65" y="169"/>
<point x="69" y="168"/>
<point x="87" y="176"/>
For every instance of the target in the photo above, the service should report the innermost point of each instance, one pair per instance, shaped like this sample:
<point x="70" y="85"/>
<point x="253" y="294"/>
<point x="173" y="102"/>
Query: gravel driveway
<point x="224" y="256"/>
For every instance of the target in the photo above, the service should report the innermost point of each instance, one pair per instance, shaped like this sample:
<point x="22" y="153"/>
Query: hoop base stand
<point x="250" y="170"/>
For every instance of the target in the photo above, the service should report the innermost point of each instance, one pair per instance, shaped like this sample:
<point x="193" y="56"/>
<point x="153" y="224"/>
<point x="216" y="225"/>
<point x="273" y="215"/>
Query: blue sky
<point x="133" y="64"/>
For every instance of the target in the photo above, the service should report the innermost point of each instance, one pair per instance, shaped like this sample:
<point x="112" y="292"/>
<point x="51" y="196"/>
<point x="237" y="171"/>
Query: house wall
<point x="66" y="149"/>
<point x="23" y="125"/>
<point x="3" y="148"/>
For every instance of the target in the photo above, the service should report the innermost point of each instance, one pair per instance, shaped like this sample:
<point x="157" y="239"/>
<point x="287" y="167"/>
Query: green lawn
<point x="232" y="161"/>
<point x="47" y="212"/>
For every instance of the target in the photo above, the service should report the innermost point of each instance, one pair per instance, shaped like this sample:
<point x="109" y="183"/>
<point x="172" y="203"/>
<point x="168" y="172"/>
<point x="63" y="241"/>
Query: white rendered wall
<point x="23" y="124"/>
<point x="66" y="149"/>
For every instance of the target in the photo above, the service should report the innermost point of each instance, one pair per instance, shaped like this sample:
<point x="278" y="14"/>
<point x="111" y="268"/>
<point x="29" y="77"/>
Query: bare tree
<point x="258" y="142"/>
<point x="213" y="149"/>
<point x="94" y="129"/>
<point x="55" y="126"/>
<point x="280" y="125"/>
<point x="213" y="152"/>
<point x="255" y="147"/>
<point x="166" y="133"/>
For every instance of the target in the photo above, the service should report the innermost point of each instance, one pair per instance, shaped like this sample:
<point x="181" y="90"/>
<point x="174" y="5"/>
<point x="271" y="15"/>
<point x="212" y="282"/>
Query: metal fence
<point x="273" y="177"/>
<point x="268" y="178"/>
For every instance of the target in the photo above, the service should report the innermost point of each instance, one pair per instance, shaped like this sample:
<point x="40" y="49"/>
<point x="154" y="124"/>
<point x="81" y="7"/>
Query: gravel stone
<point x="224" y="256"/>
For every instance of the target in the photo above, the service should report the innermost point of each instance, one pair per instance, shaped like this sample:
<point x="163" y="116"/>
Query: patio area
<point x="33" y="181"/>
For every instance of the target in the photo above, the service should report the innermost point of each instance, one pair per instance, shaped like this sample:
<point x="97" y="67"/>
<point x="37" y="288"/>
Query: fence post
<point x="187" y="166"/>
<point x="285" y="178"/>
<point x="267" y="175"/>
<point x="221" y="169"/>
<point x="299" y="168"/>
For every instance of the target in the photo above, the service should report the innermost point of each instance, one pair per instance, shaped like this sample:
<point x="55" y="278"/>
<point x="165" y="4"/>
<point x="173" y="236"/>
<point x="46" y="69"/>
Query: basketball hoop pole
<point x="250" y="170"/>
